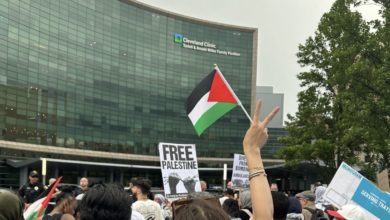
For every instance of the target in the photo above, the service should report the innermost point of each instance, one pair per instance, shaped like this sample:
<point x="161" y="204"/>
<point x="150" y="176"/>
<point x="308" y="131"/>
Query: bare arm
<point x="254" y="139"/>
<point x="67" y="217"/>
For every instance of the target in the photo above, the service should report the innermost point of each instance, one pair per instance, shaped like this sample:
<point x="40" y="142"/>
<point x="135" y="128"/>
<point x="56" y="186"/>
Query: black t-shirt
<point x="243" y="214"/>
<point x="29" y="192"/>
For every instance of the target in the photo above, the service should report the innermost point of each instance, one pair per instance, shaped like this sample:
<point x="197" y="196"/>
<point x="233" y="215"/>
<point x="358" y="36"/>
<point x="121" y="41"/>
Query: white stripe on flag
<point x="200" y="108"/>
<point x="33" y="209"/>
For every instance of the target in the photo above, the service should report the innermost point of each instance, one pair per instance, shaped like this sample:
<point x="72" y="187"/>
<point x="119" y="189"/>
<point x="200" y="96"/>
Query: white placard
<point x="348" y="186"/>
<point x="179" y="168"/>
<point x="240" y="173"/>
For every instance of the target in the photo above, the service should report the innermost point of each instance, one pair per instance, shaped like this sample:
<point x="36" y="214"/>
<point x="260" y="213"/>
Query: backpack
<point x="316" y="214"/>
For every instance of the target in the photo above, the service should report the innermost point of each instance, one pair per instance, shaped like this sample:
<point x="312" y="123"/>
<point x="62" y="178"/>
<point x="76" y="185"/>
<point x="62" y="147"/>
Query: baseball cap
<point x="308" y="195"/>
<point x="34" y="173"/>
<point x="348" y="212"/>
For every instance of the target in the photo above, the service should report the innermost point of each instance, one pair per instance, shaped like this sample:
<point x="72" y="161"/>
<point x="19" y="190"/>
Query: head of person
<point x="230" y="206"/>
<point x="229" y="185"/>
<point x="274" y="187"/>
<point x="132" y="180"/>
<point x="349" y="211"/>
<point x="229" y="193"/>
<point x="203" y="185"/>
<point x="160" y="199"/>
<point x="52" y="180"/>
<point x="11" y="207"/>
<point x="200" y="209"/>
<point x="66" y="201"/>
<point x="84" y="183"/>
<point x="294" y="206"/>
<point x="245" y="199"/>
<point x="281" y="203"/>
<point x="141" y="187"/>
<point x="306" y="198"/>
<point x="33" y="177"/>
<point x="103" y="201"/>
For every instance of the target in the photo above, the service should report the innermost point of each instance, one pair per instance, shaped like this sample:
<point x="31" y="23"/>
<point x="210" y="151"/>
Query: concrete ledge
<point x="107" y="155"/>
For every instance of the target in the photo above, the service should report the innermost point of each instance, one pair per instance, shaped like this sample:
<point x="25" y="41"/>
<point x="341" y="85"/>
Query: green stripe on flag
<point x="213" y="114"/>
<point x="32" y="215"/>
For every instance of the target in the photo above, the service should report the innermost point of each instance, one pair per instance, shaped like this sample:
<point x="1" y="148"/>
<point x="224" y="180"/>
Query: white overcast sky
<point x="282" y="25"/>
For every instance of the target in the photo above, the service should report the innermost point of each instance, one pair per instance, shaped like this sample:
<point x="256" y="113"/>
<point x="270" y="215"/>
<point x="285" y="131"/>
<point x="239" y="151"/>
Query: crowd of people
<point x="109" y="201"/>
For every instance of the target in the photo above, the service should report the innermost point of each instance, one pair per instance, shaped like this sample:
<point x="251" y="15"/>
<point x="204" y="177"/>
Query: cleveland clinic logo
<point x="204" y="46"/>
<point x="178" y="38"/>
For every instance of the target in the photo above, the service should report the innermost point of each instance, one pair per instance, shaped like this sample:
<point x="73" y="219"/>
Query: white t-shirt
<point x="149" y="209"/>
<point x="136" y="215"/>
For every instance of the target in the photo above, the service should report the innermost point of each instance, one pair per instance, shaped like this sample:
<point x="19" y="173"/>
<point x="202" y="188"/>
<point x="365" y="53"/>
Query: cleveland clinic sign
<point x="204" y="46"/>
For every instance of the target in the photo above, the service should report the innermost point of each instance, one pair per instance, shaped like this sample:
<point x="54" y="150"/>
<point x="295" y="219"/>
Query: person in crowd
<point x="229" y="185"/>
<point x="105" y="201"/>
<point x="203" y="185"/>
<point x="227" y="194"/>
<point x="51" y="181"/>
<point x="255" y="138"/>
<point x="294" y="209"/>
<point x="147" y="207"/>
<point x="31" y="189"/>
<point x="84" y="183"/>
<point x="65" y="207"/>
<point x="230" y="206"/>
<point x="307" y="198"/>
<point x="165" y="206"/>
<point x="281" y="204"/>
<point x="136" y="215"/>
<point x="245" y="212"/>
<point x="11" y="207"/>
<point x="316" y="184"/>
<point x="348" y="211"/>
<point x="200" y="209"/>
<point x="274" y="187"/>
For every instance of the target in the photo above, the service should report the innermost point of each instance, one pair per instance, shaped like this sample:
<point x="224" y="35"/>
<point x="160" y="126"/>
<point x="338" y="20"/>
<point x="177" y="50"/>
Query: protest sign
<point x="179" y="168"/>
<point x="240" y="172"/>
<point x="349" y="186"/>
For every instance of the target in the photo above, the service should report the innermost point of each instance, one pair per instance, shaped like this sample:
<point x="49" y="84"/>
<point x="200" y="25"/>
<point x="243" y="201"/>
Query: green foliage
<point x="344" y="107"/>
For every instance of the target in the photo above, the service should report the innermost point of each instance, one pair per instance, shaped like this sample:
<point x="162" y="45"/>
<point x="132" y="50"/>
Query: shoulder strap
<point x="249" y="213"/>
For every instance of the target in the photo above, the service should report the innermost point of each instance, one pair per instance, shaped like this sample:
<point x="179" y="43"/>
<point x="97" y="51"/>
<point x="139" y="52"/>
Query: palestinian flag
<point x="210" y="100"/>
<point x="36" y="209"/>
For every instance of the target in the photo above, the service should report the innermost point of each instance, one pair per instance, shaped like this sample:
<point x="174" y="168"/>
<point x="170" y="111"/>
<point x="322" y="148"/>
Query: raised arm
<point x="255" y="138"/>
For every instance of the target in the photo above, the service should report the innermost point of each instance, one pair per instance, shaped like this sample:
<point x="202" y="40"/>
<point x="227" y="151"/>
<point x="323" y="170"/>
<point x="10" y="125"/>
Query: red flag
<point x="48" y="197"/>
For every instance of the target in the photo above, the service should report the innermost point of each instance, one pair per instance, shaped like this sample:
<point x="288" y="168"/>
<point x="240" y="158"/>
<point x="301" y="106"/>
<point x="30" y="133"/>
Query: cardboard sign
<point x="240" y="174"/>
<point x="179" y="168"/>
<point x="349" y="186"/>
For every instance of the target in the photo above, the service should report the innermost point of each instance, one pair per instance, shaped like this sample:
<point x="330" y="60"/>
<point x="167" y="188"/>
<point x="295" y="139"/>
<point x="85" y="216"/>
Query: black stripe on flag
<point x="200" y="90"/>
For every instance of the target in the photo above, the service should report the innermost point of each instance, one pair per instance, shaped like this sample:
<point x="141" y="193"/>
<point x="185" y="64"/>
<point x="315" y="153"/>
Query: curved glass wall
<point x="114" y="76"/>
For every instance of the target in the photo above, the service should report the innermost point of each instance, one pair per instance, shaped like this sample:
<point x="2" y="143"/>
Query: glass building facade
<point x="111" y="75"/>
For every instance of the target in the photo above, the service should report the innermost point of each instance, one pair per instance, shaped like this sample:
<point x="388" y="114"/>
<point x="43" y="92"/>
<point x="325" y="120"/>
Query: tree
<point x="324" y="130"/>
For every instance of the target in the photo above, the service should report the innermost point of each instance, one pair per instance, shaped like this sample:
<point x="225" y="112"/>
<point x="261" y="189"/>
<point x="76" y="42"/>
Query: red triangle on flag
<point x="219" y="91"/>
